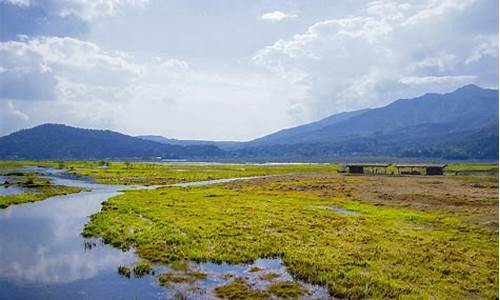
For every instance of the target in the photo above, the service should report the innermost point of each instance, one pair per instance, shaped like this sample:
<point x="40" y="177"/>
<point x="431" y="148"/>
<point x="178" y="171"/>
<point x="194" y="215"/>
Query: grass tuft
<point x="142" y="269"/>
<point x="286" y="289"/>
<point x="239" y="288"/>
<point x="124" y="271"/>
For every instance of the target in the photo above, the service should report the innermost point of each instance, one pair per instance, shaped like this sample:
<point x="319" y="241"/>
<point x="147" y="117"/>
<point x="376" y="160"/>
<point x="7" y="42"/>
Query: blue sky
<point x="232" y="70"/>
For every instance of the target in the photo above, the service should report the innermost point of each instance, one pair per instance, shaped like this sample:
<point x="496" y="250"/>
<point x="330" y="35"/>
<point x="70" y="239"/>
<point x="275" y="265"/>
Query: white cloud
<point x="11" y="117"/>
<point x="442" y="80"/>
<point x="334" y="59"/>
<point x="8" y="109"/>
<point x="35" y="69"/>
<point x="486" y="46"/>
<point x="351" y="56"/>
<point x="278" y="16"/>
<point x="21" y="3"/>
<point x="441" y="63"/>
<point x="84" y="9"/>
<point x="387" y="9"/>
<point x="436" y="8"/>
<point x="375" y="57"/>
<point x="91" y="9"/>
<point x="175" y="64"/>
<point x="84" y="83"/>
<point x="93" y="87"/>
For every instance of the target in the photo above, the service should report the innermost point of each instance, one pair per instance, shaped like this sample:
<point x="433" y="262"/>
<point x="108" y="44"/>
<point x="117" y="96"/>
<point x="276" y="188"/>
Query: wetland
<point x="135" y="230"/>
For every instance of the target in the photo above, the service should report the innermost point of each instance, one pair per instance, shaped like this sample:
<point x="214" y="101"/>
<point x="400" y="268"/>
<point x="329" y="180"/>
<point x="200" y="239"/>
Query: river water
<point x="44" y="256"/>
<point x="6" y="190"/>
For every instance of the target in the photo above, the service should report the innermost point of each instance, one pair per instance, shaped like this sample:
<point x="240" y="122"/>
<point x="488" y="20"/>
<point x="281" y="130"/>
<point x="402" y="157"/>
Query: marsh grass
<point x="269" y="276"/>
<point x="38" y="189"/>
<point x="124" y="271"/>
<point x="142" y="269"/>
<point x="155" y="174"/>
<point x="239" y="288"/>
<point x="166" y="279"/>
<point x="286" y="290"/>
<point x="384" y="252"/>
<point x="21" y="164"/>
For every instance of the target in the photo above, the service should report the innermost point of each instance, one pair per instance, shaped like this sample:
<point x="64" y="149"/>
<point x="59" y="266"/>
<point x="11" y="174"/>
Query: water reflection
<point x="6" y="190"/>
<point x="218" y="275"/>
<point x="42" y="253"/>
<point x="341" y="210"/>
<point x="222" y="274"/>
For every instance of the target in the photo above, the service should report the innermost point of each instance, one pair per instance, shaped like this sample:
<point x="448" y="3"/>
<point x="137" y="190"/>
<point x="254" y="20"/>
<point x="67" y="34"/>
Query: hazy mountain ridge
<point x="288" y="135"/>
<point x="462" y="124"/>
<point x="467" y="108"/>
<point x="482" y="144"/>
<point x="160" y="139"/>
<point x="56" y="141"/>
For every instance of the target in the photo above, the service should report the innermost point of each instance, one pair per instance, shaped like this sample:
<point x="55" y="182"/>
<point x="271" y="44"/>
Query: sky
<point x="232" y="70"/>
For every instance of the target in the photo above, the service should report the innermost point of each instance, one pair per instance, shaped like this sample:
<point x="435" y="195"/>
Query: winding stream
<point x="44" y="256"/>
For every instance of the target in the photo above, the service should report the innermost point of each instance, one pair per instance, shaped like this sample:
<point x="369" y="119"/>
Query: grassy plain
<point x="411" y="237"/>
<point x="159" y="174"/>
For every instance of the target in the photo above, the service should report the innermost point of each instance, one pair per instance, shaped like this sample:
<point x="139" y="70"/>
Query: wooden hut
<point x="362" y="168"/>
<point x="420" y="169"/>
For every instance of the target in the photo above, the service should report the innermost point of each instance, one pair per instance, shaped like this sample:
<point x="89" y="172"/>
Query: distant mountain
<point x="459" y="125"/>
<point x="55" y="141"/>
<point x="295" y="135"/>
<point x="160" y="139"/>
<point x="467" y="108"/>
<point x="462" y="124"/>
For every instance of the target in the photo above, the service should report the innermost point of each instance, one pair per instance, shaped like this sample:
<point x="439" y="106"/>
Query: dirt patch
<point x="474" y="198"/>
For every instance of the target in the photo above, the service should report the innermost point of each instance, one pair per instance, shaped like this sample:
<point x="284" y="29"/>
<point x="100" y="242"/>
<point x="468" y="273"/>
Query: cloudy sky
<point x="232" y="70"/>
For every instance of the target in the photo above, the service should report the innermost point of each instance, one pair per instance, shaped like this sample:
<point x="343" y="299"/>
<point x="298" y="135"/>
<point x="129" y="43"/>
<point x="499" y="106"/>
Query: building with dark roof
<point x="399" y="169"/>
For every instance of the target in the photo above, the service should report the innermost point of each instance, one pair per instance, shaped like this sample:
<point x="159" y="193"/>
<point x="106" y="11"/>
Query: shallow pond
<point x="222" y="274"/>
<point x="44" y="256"/>
<point x="341" y="210"/>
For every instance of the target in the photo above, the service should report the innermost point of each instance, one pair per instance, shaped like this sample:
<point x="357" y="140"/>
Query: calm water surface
<point x="6" y="190"/>
<point x="43" y="256"/>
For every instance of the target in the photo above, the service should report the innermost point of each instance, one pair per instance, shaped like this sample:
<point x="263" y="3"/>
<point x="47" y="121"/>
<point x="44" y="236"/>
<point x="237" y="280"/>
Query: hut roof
<point x="420" y="165"/>
<point x="368" y="165"/>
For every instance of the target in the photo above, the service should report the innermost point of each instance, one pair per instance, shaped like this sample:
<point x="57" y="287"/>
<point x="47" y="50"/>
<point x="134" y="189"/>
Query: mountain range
<point x="462" y="124"/>
<point x="57" y="141"/>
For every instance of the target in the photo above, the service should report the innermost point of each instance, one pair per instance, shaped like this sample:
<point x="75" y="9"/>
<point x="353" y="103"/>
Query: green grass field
<point x="381" y="251"/>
